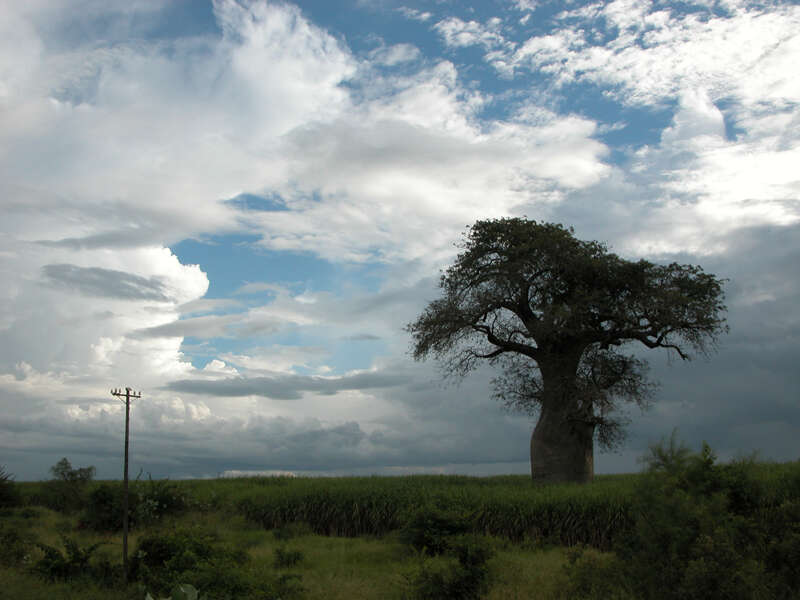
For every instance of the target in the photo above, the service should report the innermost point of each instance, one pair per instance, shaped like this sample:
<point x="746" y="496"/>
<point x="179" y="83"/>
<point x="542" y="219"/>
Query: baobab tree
<point x="551" y="310"/>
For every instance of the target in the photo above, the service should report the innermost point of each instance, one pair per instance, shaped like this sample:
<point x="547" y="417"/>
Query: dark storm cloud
<point x="363" y="337"/>
<point x="745" y="396"/>
<point x="123" y="238"/>
<point x="105" y="283"/>
<point x="285" y="387"/>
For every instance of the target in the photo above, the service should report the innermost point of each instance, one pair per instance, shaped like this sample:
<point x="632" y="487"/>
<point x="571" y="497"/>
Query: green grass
<point x="331" y="568"/>
<point x="350" y="547"/>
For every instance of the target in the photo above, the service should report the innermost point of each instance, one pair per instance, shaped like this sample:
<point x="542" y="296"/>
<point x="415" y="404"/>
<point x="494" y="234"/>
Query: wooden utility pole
<point x="127" y="394"/>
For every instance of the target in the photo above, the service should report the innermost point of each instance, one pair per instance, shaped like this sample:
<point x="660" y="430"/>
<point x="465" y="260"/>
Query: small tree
<point x="551" y="310"/>
<point x="66" y="490"/>
<point x="63" y="471"/>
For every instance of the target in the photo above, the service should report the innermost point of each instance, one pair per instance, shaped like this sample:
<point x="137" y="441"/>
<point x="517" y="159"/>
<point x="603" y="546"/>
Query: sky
<point x="237" y="206"/>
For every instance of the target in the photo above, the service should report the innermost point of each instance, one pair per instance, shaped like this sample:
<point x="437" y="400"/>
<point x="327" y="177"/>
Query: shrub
<point x="148" y="502"/>
<point x="162" y="560"/>
<point x="15" y="546"/>
<point x="701" y="531"/>
<point x="9" y="495"/>
<point x="593" y="575"/>
<point x="156" y="499"/>
<point x="103" y="510"/>
<point x="66" y="492"/>
<point x="429" y="529"/>
<point x="781" y="526"/>
<point x="73" y="563"/>
<point x="466" y="578"/>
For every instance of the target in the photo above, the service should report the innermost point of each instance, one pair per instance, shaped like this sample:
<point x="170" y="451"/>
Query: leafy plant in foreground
<point x="466" y="578"/>
<point x="73" y="563"/>
<point x="164" y="559"/>
<point x="702" y="531"/>
<point x="15" y="545"/>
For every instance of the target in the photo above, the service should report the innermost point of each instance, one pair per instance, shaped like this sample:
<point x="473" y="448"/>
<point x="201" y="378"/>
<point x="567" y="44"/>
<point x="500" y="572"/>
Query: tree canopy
<point x="552" y="309"/>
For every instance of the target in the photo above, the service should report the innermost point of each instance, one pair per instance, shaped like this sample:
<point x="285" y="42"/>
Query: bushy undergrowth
<point x="687" y="528"/>
<point x="9" y="494"/>
<point x="68" y="489"/>
<point x="431" y="530"/>
<point x="702" y="531"/>
<point x="72" y="563"/>
<point x="163" y="559"/>
<point x="148" y="502"/>
<point x="15" y="545"/>
<point x="464" y="575"/>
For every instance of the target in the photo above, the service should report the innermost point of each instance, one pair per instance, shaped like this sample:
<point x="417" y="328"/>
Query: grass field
<point x="332" y="568"/>
<point x="331" y="538"/>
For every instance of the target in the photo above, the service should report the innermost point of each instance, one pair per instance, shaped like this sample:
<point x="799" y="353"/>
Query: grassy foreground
<point x="687" y="528"/>
<point x="331" y="568"/>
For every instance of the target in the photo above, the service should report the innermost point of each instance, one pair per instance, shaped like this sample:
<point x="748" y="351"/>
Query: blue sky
<point x="237" y="206"/>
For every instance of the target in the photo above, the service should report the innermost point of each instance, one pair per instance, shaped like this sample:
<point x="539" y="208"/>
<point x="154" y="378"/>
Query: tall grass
<point x="508" y="506"/>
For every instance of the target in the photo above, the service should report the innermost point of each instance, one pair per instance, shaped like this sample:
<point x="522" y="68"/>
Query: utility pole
<point x="127" y="394"/>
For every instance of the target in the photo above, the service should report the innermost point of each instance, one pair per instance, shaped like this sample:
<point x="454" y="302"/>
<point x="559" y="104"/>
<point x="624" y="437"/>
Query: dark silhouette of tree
<point x="550" y="310"/>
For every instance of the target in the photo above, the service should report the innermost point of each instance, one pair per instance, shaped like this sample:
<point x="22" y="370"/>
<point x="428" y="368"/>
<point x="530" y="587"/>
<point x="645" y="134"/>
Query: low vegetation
<point x="687" y="527"/>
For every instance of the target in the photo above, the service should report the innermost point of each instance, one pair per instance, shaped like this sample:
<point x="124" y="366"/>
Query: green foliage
<point x="73" y="563"/>
<point x="429" y="529"/>
<point x="285" y="558"/>
<point x="103" y="510"/>
<point x="549" y="310"/>
<point x="465" y="578"/>
<point x="67" y="491"/>
<point x="163" y="559"/>
<point x="63" y="471"/>
<point x="702" y="531"/>
<point x="781" y="550"/>
<point x="15" y="545"/>
<point x="148" y="502"/>
<point x="9" y="495"/>
<point x="157" y="499"/>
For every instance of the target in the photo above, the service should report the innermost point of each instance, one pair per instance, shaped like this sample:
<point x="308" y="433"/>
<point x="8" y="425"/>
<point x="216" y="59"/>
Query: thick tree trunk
<point x="562" y="443"/>
<point x="561" y="449"/>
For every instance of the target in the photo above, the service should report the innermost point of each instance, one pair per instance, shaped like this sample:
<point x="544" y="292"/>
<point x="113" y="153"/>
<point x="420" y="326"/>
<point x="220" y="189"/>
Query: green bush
<point x="429" y="529"/>
<point x="163" y="560"/>
<point x="593" y="575"/>
<point x="73" y="563"/>
<point x="15" y="545"/>
<point x="701" y="531"/>
<point x="465" y="578"/>
<point x="157" y="499"/>
<point x="67" y="490"/>
<point x="9" y="495"/>
<point x="148" y="502"/>
<point x="781" y="527"/>
<point x="103" y="510"/>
